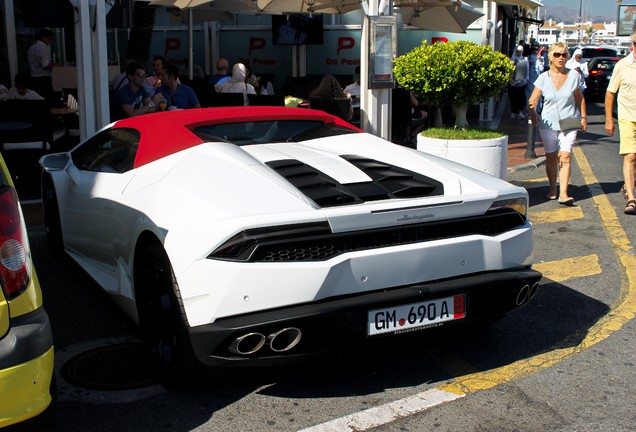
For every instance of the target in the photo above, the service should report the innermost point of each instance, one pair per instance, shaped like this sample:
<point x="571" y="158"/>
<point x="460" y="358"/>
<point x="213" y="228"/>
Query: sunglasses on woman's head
<point x="558" y="54"/>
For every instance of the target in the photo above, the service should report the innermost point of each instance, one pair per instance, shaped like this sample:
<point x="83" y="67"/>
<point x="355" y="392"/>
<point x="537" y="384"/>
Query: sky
<point x="590" y="7"/>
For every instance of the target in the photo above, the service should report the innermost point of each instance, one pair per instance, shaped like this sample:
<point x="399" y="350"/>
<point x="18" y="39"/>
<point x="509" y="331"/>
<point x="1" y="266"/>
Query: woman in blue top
<point x="562" y="99"/>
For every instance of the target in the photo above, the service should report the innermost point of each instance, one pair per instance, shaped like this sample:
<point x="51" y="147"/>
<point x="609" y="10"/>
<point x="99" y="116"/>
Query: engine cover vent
<point x="387" y="181"/>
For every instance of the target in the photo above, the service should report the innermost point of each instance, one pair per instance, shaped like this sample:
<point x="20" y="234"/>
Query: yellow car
<point x="27" y="385"/>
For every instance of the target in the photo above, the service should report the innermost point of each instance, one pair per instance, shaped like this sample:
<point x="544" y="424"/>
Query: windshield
<point x="270" y="131"/>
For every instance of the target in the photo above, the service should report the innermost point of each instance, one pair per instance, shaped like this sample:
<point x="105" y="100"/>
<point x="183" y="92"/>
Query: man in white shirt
<point x="353" y="89"/>
<point x="39" y="56"/>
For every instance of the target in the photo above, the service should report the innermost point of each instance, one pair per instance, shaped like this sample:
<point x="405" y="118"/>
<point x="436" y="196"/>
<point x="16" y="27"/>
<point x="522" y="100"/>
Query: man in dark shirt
<point x="133" y="99"/>
<point x="221" y="75"/>
<point x="176" y="95"/>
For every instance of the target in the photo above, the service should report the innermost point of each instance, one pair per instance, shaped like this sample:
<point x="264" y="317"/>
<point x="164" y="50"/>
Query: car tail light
<point x="596" y="72"/>
<point x="520" y="205"/>
<point x="15" y="270"/>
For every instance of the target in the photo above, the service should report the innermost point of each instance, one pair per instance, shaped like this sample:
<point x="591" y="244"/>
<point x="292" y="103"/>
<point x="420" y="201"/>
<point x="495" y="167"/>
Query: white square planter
<point x="487" y="155"/>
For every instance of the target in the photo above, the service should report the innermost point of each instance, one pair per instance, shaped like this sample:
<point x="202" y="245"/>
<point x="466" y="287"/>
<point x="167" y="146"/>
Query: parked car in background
<point x="27" y="385"/>
<point x="592" y="51"/>
<point x="265" y="235"/>
<point x="600" y="71"/>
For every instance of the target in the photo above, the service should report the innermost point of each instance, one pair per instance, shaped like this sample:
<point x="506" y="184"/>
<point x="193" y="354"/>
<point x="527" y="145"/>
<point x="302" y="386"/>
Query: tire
<point x="162" y="320"/>
<point x="52" y="221"/>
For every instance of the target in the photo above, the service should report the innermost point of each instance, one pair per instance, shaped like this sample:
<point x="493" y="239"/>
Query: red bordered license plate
<point x="409" y="317"/>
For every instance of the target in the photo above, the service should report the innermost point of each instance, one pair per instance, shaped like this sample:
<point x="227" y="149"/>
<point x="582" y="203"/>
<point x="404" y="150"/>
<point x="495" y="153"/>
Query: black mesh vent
<point x="387" y="181"/>
<point x="322" y="189"/>
<point x="327" y="246"/>
<point x="398" y="182"/>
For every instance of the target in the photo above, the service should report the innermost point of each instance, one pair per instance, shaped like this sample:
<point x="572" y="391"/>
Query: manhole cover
<point x="113" y="367"/>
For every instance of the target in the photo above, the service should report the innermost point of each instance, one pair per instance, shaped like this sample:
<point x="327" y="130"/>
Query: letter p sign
<point x="256" y="43"/>
<point x="345" y="43"/>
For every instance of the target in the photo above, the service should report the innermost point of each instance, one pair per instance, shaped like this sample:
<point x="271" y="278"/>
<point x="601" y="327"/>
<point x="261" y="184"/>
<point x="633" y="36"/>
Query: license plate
<point x="416" y="316"/>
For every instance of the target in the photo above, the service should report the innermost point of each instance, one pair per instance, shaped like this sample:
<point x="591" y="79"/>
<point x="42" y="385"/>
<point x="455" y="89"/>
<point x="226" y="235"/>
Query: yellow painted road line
<point x="621" y="312"/>
<point x="560" y="214"/>
<point x="569" y="268"/>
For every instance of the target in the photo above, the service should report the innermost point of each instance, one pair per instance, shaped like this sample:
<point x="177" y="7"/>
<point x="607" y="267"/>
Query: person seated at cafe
<point x="291" y="100"/>
<point x="329" y="88"/>
<point x="353" y="89"/>
<point x="154" y="81"/>
<point x="252" y="79"/>
<point x="237" y="83"/>
<point x="133" y="99"/>
<point x="120" y="79"/>
<point x="4" y="92"/>
<point x="221" y="76"/>
<point x="21" y="89"/>
<point x="175" y="94"/>
<point x="418" y="116"/>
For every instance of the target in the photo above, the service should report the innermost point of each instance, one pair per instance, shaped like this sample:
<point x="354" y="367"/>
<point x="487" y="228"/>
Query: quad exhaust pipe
<point x="280" y="341"/>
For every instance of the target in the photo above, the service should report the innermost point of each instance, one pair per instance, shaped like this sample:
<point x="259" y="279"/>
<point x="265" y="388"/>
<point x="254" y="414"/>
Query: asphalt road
<point x="563" y="362"/>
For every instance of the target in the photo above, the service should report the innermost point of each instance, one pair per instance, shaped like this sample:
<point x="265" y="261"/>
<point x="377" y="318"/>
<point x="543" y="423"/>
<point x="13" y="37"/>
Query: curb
<point x="535" y="163"/>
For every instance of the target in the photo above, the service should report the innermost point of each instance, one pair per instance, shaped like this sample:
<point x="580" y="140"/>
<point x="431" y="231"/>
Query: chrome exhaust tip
<point x="522" y="296"/>
<point x="284" y="339"/>
<point x="247" y="344"/>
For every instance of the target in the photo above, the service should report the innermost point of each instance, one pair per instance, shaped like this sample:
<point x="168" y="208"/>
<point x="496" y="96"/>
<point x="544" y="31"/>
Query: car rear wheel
<point x="162" y="320"/>
<point x="52" y="222"/>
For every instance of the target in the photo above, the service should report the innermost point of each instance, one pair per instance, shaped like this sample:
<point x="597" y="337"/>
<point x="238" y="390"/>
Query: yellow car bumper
<point x="25" y="389"/>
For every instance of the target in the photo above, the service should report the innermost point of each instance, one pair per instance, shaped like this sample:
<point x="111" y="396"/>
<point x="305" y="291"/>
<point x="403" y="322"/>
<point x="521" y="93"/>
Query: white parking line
<point x="387" y="413"/>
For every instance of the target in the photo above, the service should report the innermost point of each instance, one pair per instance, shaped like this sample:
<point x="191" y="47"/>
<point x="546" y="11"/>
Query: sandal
<point x="569" y="201"/>
<point x="630" y="208"/>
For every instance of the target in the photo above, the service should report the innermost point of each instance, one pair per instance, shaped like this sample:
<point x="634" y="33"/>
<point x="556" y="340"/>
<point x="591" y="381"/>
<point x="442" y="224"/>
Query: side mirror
<point x="55" y="162"/>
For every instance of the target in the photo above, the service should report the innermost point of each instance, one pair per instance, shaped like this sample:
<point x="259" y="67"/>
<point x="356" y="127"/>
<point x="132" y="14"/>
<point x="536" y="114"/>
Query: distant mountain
<point x="570" y="15"/>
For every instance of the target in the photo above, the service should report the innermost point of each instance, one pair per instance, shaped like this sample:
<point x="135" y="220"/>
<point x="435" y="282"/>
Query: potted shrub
<point x="458" y="73"/>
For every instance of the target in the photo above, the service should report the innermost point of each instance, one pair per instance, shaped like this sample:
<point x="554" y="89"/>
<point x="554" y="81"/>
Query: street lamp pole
<point x="580" y="21"/>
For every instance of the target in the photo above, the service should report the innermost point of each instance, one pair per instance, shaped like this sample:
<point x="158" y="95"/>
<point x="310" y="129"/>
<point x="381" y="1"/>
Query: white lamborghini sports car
<point x="258" y="235"/>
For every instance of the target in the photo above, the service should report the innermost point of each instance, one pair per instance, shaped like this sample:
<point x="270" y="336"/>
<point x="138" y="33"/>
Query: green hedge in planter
<point x="461" y="134"/>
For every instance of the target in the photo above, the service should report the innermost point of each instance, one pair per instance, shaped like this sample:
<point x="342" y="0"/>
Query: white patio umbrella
<point x="204" y="13"/>
<point x="181" y="4"/>
<point x="229" y="6"/>
<point x="439" y="15"/>
<point x="308" y="6"/>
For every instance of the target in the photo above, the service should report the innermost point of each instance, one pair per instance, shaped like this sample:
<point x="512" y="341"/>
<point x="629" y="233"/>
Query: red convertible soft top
<point x="165" y="133"/>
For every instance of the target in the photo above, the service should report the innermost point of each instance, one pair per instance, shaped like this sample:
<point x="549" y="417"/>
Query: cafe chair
<point x="25" y="123"/>
<point x="266" y="100"/>
<point x="338" y="107"/>
<point x="226" y="99"/>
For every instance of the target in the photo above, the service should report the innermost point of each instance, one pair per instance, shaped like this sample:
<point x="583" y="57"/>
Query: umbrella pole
<point x="190" y="45"/>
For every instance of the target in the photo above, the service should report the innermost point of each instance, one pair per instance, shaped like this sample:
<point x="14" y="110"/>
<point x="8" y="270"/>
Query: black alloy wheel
<point x="162" y="320"/>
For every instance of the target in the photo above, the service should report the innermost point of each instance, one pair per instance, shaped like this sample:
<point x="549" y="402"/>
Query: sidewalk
<point x="517" y="131"/>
